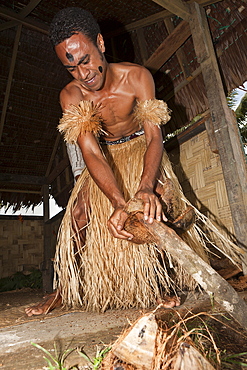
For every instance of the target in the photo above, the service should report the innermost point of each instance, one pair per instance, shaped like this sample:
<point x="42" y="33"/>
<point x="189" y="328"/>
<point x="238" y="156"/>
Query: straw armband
<point x="152" y="111"/>
<point x="79" y="119"/>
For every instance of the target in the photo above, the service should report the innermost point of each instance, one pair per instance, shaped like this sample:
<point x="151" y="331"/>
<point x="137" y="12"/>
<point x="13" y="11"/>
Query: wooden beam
<point x="142" y="44"/>
<point x="10" y="178"/>
<point x="46" y="205"/>
<point x="7" y="25"/>
<point x="43" y="28"/>
<point x="225" y="126"/>
<point x="29" y="8"/>
<point x="61" y="166"/>
<point x="27" y="22"/>
<point x="47" y="248"/>
<point x="150" y="20"/>
<point x="169" y="46"/>
<point x="180" y="54"/>
<point x="65" y="154"/>
<point x="113" y="50"/>
<point x="23" y="13"/>
<point x="177" y="7"/>
<point x="55" y="146"/>
<point x="64" y="190"/>
<point x="182" y="84"/>
<point x="204" y="2"/>
<point x="20" y="191"/>
<point x="138" y="24"/>
<point x="11" y="71"/>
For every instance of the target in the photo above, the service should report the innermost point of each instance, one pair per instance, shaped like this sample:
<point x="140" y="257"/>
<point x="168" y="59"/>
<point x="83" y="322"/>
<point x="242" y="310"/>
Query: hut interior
<point x="196" y="51"/>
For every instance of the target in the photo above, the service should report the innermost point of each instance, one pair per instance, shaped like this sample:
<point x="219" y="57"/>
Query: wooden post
<point x="46" y="206"/>
<point x="47" y="263"/>
<point x="10" y="78"/>
<point x="224" y="125"/>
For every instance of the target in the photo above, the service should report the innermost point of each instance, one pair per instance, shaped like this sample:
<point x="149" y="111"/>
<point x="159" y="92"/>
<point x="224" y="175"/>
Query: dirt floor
<point x="72" y="329"/>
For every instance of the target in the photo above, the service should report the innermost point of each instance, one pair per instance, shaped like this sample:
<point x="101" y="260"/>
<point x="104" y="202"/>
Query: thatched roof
<point x="32" y="152"/>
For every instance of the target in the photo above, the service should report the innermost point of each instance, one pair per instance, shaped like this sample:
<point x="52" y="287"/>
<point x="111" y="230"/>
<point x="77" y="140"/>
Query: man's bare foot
<point x="50" y="302"/>
<point x="169" y="302"/>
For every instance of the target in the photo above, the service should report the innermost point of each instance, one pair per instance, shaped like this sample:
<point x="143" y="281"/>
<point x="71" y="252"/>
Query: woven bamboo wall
<point x="200" y="173"/>
<point x="21" y="244"/>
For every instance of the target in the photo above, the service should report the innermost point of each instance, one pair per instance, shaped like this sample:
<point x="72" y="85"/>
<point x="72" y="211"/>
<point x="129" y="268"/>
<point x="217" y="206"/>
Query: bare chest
<point x="116" y="109"/>
<point x="117" y="114"/>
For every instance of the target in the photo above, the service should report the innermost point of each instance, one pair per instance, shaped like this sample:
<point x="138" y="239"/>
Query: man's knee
<point x="79" y="214"/>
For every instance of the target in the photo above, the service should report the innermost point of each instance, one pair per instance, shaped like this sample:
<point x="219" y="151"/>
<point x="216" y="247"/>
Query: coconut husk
<point x="152" y="345"/>
<point x="188" y="357"/>
<point x="137" y="347"/>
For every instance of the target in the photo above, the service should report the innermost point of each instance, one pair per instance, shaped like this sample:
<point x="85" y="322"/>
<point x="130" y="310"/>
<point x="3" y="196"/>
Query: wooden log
<point x="216" y="287"/>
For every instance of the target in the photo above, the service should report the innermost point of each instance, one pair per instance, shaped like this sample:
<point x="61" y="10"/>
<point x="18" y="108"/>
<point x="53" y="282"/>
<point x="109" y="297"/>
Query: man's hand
<point x="152" y="206"/>
<point x="116" y="224"/>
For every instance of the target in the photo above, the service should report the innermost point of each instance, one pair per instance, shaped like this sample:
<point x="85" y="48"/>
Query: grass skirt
<point x="111" y="273"/>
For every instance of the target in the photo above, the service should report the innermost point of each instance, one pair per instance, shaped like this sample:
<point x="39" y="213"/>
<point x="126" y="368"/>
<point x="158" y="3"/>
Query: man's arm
<point x="145" y="90"/>
<point x="152" y="159"/>
<point x="97" y="165"/>
<point x="102" y="174"/>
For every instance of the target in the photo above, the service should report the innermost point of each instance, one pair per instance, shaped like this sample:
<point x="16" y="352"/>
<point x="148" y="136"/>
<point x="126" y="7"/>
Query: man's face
<point x="84" y="60"/>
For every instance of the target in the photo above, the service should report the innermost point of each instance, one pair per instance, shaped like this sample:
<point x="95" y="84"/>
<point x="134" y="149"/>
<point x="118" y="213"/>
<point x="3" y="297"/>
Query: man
<point x="111" y="112"/>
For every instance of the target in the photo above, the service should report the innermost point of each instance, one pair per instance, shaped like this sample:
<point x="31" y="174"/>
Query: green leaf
<point x="44" y="350"/>
<point x="84" y="355"/>
<point x="51" y="367"/>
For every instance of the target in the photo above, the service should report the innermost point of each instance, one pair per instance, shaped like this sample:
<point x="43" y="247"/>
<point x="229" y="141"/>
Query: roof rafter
<point x="11" y="71"/>
<point x="169" y="46"/>
<point x="43" y="28"/>
<point x="177" y="7"/>
<point x="27" y="22"/>
<point x="23" y="13"/>
<point x="21" y="179"/>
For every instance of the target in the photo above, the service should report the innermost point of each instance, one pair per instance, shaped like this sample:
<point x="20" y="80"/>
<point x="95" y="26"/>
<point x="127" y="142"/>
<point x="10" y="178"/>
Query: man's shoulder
<point x="136" y="76"/>
<point x="130" y="67"/>
<point x="71" y="94"/>
<point x="71" y="88"/>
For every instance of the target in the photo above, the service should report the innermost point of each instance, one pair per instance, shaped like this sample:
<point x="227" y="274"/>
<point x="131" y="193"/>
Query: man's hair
<point x="70" y="21"/>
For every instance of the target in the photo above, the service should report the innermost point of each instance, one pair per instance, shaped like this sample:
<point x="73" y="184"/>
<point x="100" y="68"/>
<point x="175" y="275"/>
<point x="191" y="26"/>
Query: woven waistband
<point x="123" y="139"/>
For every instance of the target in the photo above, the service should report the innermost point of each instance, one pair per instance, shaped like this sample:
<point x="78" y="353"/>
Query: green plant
<point x="20" y="280"/>
<point x="235" y="359"/>
<point x="97" y="360"/>
<point x="55" y="362"/>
